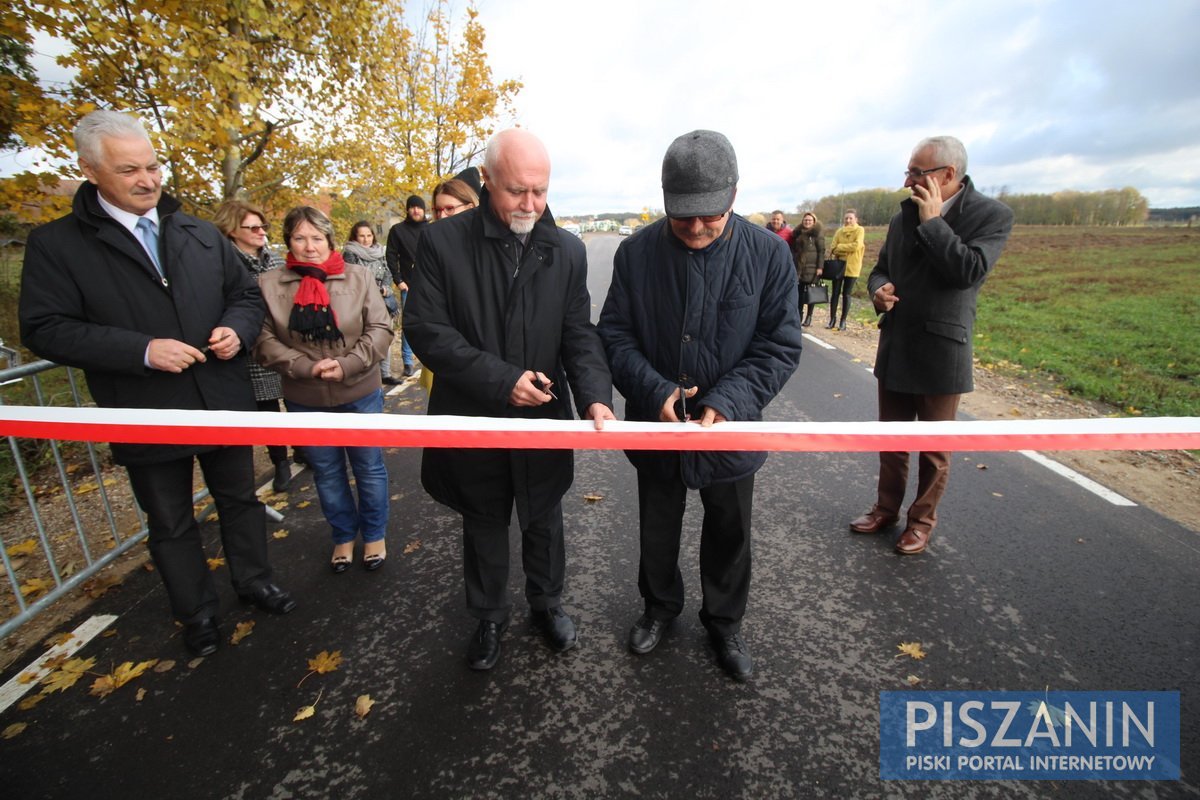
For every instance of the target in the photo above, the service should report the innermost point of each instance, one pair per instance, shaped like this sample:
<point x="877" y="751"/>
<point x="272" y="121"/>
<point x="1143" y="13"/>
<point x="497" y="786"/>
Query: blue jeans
<point x="406" y="354"/>
<point x="370" y="516"/>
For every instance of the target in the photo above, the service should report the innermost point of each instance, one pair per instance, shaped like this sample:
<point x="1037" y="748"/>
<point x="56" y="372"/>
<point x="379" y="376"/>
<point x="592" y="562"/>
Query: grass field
<point x="1106" y="313"/>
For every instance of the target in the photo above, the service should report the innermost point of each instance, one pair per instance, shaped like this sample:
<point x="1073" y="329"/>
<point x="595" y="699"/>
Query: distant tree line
<point x="1108" y="207"/>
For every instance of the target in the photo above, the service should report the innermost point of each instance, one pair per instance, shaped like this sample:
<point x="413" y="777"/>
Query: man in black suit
<point x="158" y="311"/>
<point x="938" y="252"/>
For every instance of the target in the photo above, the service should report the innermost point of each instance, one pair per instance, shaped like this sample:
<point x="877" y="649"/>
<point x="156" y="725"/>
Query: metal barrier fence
<point x="48" y="554"/>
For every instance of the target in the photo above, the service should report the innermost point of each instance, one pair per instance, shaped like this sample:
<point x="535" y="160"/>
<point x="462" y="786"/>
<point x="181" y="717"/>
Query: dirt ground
<point x="1167" y="481"/>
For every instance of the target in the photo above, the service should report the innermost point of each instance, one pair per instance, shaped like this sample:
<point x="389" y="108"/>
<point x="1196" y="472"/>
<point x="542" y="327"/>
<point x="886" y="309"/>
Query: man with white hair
<point x="502" y="316"/>
<point x="939" y="250"/>
<point x="158" y="311"/>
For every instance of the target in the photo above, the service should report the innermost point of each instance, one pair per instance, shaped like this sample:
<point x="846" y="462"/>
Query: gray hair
<point x="313" y="217"/>
<point x="946" y="150"/>
<point x="103" y="124"/>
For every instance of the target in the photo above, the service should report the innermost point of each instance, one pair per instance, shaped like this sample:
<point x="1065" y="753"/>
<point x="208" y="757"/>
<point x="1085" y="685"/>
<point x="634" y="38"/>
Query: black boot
<point x="832" y="321"/>
<point x="842" y="324"/>
<point x="807" y="318"/>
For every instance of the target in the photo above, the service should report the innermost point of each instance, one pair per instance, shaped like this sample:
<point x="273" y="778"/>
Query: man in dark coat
<point x="158" y="311"/>
<point x="502" y="316"/>
<point x="938" y="252"/>
<point x="401" y="255"/>
<point x="700" y="324"/>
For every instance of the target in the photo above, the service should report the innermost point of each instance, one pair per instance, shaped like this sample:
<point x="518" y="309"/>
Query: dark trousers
<point x="724" y="549"/>
<point x="164" y="491"/>
<point x="485" y="563"/>
<point x="933" y="468"/>
<point x="277" y="452"/>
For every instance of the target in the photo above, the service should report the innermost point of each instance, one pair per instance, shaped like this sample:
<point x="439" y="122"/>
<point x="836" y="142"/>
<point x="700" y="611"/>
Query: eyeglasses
<point x="710" y="218"/>
<point x="917" y="174"/>
<point x="255" y="228"/>
<point x="443" y="210"/>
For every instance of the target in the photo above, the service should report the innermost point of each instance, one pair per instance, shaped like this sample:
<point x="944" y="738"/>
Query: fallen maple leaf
<point x="304" y="504"/>
<point x="31" y="701"/>
<point x="242" y="630"/>
<point x="282" y="533"/>
<point x="107" y="684"/>
<point x="13" y="730"/>
<point x="911" y="649"/>
<point x="26" y="678"/>
<point x="62" y="637"/>
<point x="323" y="663"/>
<point x="412" y="546"/>
<point x="216" y="563"/>
<point x="67" y="675"/>
<point x="362" y="706"/>
<point x="96" y="587"/>
<point x="282" y="504"/>
<point x="56" y="662"/>
<point x="24" y="548"/>
<point x="36" y="586"/>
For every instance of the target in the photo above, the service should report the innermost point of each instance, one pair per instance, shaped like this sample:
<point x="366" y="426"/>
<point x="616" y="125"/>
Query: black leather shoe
<point x="269" y="598"/>
<point x="283" y="476"/>
<point x="408" y="370"/>
<point x="733" y="656"/>
<point x="646" y="633"/>
<point x="484" y="650"/>
<point x="557" y="627"/>
<point x="203" y="637"/>
<point x="390" y="381"/>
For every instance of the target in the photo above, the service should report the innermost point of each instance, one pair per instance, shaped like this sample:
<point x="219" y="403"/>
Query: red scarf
<point x="313" y="318"/>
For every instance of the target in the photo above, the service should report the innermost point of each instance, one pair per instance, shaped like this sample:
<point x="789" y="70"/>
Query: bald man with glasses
<point x="939" y="250"/>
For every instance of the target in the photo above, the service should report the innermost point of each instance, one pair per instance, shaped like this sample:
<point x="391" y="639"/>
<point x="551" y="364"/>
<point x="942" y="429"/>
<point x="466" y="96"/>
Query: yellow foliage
<point x="123" y="674"/>
<point x="910" y="649"/>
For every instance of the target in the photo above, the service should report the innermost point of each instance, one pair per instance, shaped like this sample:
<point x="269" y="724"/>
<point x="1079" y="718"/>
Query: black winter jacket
<point x="723" y="319"/>
<point x="479" y="328"/>
<point x="91" y="298"/>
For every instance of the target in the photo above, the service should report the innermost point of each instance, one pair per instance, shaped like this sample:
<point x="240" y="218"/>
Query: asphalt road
<point x="1030" y="582"/>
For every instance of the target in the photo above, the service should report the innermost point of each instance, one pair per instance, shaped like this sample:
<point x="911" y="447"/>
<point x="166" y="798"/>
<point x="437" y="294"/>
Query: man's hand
<point x="885" y="297"/>
<point x="527" y="392"/>
<point x="599" y="412"/>
<point x="402" y="286"/>
<point x="328" y="369"/>
<point x="172" y="355"/>
<point x="710" y="416"/>
<point x="224" y="343"/>
<point x="667" y="412"/>
<point x="928" y="197"/>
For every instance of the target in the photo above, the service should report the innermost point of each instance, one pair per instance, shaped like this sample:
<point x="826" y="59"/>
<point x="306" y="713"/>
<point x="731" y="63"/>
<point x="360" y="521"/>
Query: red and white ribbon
<point x="143" y="426"/>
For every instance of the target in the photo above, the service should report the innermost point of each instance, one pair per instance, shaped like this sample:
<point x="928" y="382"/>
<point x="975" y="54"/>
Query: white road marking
<point x="820" y="342"/>
<point x="15" y="689"/>
<point x="1076" y="478"/>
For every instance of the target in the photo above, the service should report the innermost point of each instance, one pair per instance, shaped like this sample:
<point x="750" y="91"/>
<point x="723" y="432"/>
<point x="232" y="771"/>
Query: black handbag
<point x="833" y="269"/>
<point x="817" y="294"/>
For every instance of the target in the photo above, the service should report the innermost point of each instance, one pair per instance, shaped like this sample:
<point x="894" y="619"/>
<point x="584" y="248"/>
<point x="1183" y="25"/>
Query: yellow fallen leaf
<point x="56" y="662"/>
<point x="62" y="637"/>
<point x="323" y="663"/>
<point x="13" y="730"/>
<point x="31" y="701"/>
<point x="282" y="504"/>
<point x="412" y="546"/>
<point x="282" y="533"/>
<point x="141" y="693"/>
<point x="911" y="649"/>
<point x="242" y="630"/>
<point x="67" y="675"/>
<point x="164" y="666"/>
<point x="216" y="563"/>
<point x="87" y="488"/>
<point x="123" y="674"/>
<point x="26" y="678"/>
<point x="362" y="706"/>
<point x="24" y="548"/>
<point x="592" y="497"/>
<point x="304" y="713"/>
<point x="304" y="504"/>
<point x="912" y="680"/>
<point x="98" y="586"/>
<point x="35" y="587"/>
<point x="195" y="662"/>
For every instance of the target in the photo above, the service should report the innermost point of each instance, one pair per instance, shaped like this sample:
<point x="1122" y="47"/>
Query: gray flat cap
<point x="699" y="175"/>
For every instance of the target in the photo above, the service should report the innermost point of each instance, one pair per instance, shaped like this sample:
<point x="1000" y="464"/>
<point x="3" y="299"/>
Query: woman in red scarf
<point x="325" y="332"/>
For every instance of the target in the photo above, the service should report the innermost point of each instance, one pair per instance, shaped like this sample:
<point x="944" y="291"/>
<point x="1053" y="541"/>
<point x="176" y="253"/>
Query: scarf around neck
<point x="312" y="316"/>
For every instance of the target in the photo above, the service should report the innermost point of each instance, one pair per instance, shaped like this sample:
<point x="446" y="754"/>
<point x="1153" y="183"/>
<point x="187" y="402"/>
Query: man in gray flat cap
<point x="701" y="326"/>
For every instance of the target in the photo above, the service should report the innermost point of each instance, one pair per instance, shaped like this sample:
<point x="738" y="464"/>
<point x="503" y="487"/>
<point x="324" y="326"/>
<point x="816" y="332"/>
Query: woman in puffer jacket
<point x="808" y="250"/>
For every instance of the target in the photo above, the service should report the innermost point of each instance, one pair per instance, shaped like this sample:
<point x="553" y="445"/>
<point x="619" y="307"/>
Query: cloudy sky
<point x="823" y="97"/>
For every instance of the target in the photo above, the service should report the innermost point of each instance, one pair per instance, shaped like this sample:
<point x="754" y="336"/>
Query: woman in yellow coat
<point x="848" y="245"/>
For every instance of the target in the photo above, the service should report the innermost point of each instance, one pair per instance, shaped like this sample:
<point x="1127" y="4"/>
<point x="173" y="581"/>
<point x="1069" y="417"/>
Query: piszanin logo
<point x="1029" y="735"/>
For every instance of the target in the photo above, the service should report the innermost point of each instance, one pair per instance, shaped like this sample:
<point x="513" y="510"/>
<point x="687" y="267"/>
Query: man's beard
<point x="521" y="224"/>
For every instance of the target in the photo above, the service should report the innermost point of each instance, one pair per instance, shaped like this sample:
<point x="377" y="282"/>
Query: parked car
<point x="624" y="230"/>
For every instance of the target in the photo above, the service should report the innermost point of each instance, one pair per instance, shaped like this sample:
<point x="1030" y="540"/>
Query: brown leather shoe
<point x="912" y="541"/>
<point x="873" y="522"/>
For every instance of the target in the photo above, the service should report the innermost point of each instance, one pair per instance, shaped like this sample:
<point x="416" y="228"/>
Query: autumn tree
<point x="430" y="107"/>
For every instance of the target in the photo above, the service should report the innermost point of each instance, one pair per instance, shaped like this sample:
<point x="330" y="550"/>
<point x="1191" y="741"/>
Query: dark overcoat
<point x="723" y="319"/>
<point x="479" y="328"/>
<point x="91" y="298"/>
<point x="937" y="267"/>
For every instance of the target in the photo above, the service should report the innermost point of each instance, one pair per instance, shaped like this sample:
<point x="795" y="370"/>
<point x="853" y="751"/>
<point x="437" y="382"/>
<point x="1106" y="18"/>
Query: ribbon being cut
<point x="149" y="426"/>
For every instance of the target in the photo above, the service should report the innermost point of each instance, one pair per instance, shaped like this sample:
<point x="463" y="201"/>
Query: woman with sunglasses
<point x="245" y="226"/>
